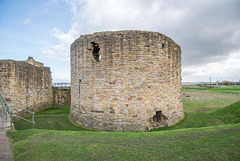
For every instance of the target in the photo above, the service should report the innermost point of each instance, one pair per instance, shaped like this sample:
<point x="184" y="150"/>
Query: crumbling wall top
<point x="31" y="61"/>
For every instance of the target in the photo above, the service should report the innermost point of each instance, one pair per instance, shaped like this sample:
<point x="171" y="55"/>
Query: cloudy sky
<point x="208" y="31"/>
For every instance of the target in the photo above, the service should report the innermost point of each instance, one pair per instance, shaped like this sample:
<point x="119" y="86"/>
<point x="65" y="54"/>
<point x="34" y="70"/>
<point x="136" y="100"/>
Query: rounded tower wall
<point x="125" y="81"/>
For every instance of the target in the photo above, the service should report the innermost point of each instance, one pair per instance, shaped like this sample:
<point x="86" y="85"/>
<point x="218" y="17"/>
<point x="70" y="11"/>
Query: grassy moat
<point x="209" y="131"/>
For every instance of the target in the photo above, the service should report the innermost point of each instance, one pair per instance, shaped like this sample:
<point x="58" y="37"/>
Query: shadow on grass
<point x="49" y="122"/>
<point x="53" y="119"/>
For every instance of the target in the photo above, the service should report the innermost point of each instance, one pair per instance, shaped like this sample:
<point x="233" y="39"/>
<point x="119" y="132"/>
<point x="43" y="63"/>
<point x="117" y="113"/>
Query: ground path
<point x="5" y="149"/>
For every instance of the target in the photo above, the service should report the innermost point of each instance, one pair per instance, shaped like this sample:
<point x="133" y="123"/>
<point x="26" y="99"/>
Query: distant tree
<point x="225" y="82"/>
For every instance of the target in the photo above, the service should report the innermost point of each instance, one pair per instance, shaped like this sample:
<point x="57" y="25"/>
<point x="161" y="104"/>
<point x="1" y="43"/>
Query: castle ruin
<point x="26" y="84"/>
<point x="125" y="81"/>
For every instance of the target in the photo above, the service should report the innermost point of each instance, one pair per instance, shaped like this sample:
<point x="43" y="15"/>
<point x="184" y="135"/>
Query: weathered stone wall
<point x="125" y="81"/>
<point x="61" y="96"/>
<point x="26" y="85"/>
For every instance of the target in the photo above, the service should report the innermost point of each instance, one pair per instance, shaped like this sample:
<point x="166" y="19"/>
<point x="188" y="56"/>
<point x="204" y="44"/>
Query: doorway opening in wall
<point x="95" y="51"/>
<point x="157" y="118"/>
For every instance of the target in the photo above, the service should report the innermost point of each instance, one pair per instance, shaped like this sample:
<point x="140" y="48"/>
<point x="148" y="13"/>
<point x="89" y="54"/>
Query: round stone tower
<point x="125" y="81"/>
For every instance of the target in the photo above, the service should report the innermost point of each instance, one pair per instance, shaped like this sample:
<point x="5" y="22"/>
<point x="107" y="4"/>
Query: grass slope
<point x="194" y="120"/>
<point x="53" y="118"/>
<point x="196" y="99"/>
<point x="49" y="122"/>
<point x="225" y="115"/>
<point x="229" y="114"/>
<point x="209" y="143"/>
<point x="55" y="111"/>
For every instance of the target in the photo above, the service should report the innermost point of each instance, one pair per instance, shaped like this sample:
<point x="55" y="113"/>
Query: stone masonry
<point x="125" y="81"/>
<point x="61" y="96"/>
<point x="27" y="84"/>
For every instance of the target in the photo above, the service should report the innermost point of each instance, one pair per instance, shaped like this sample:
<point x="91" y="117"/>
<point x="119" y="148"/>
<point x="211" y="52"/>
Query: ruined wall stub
<point x="61" y="96"/>
<point x="125" y="81"/>
<point x="27" y="84"/>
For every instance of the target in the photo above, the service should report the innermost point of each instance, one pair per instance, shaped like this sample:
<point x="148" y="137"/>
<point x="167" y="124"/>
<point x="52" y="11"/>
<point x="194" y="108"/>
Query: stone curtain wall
<point x="26" y="85"/>
<point x="61" y="96"/>
<point x="125" y="81"/>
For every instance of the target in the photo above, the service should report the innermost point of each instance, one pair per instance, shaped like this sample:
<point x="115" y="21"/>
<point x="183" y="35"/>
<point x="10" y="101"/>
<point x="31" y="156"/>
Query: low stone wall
<point x="61" y="96"/>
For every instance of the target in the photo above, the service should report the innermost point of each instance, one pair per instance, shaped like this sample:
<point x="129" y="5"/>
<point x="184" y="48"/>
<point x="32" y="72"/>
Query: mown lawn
<point x="204" y="108"/>
<point x="226" y="115"/>
<point x="55" y="111"/>
<point x="53" y="118"/>
<point x="49" y="122"/>
<point x="223" y="89"/>
<point x="229" y="114"/>
<point x="209" y="143"/>
<point x="197" y="99"/>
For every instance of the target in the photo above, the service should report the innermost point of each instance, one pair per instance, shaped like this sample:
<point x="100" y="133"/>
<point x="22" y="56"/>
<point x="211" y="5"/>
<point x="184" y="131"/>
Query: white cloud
<point x="228" y="69"/>
<point x="124" y="14"/>
<point x="207" y="31"/>
<point x="93" y="15"/>
<point x="75" y="4"/>
<point x="60" y="52"/>
<point x="65" y="38"/>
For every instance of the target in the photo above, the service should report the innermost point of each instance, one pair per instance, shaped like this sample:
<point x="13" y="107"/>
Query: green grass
<point x="49" y="122"/>
<point x="209" y="143"/>
<point x="235" y="90"/>
<point x="194" y="120"/>
<point x="196" y="99"/>
<point x="55" y="111"/>
<point x="225" y="115"/>
<point x="53" y="119"/>
<point x="229" y="114"/>
<point x="204" y="108"/>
